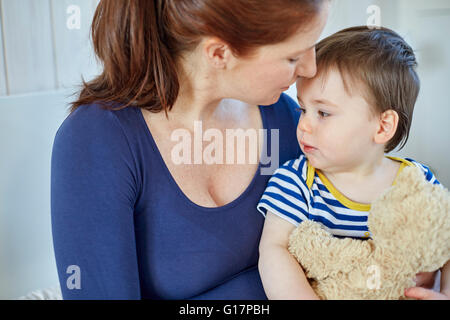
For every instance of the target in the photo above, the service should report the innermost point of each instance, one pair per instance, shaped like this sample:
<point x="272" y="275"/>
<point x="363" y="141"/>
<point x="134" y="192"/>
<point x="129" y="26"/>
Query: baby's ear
<point x="387" y="126"/>
<point x="321" y="255"/>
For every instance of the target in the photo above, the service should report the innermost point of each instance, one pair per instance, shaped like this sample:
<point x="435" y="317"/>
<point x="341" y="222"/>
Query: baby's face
<point x="336" y="130"/>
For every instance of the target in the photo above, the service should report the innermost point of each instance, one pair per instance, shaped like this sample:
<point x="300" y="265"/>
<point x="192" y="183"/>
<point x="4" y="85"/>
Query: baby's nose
<point x="304" y="124"/>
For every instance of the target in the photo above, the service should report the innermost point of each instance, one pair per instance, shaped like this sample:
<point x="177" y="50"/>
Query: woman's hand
<point x="422" y="291"/>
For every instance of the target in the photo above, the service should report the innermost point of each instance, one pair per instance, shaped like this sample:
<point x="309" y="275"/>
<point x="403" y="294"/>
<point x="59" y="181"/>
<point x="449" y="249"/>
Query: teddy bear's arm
<point x="321" y="254"/>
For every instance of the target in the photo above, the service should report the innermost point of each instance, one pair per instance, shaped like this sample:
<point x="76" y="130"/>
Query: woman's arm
<point x="281" y="274"/>
<point x="92" y="207"/>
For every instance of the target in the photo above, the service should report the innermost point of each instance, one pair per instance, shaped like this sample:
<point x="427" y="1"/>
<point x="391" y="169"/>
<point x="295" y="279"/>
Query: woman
<point x="130" y="223"/>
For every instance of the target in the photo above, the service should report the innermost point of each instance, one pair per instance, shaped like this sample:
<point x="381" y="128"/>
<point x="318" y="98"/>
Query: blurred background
<point x="44" y="52"/>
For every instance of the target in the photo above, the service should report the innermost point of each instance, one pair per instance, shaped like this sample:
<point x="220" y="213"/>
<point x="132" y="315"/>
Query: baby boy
<point x="357" y="108"/>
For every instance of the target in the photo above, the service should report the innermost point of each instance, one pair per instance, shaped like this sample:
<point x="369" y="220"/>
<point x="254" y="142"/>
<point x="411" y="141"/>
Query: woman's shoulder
<point x="93" y="129"/>
<point x="94" y="121"/>
<point x="95" y="114"/>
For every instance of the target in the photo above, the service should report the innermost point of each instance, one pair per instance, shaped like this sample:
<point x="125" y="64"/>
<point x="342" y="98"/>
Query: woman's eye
<point x="294" y="60"/>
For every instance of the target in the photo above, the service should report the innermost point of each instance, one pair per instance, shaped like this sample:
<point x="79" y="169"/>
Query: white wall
<point x="41" y="63"/>
<point x="28" y="124"/>
<point x="427" y="25"/>
<point x="39" y="52"/>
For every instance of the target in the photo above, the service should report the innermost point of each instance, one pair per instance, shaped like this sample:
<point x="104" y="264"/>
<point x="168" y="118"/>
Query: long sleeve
<point x="93" y="193"/>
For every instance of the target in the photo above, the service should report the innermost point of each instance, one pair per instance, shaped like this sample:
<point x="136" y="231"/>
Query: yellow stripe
<point x="310" y="175"/>
<point x="405" y="163"/>
<point x="339" y="196"/>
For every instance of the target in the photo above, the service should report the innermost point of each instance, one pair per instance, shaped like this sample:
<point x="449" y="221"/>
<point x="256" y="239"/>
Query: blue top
<point x="123" y="229"/>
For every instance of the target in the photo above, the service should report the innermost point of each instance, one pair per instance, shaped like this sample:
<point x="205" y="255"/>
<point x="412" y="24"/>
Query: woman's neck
<point x="199" y="94"/>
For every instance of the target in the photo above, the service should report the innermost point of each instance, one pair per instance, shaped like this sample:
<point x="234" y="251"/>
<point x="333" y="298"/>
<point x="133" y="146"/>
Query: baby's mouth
<point x="307" y="148"/>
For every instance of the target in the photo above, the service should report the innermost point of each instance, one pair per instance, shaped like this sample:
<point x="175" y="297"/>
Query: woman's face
<point x="273" y="69"/>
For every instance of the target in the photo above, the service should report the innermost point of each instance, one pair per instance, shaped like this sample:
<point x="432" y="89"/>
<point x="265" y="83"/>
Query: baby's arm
<point x="281" y="274"/>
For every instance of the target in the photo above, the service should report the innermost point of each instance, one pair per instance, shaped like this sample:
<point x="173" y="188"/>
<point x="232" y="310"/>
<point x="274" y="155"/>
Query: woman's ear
<point x="217" y="52"/>
<point x="387" y="127"/>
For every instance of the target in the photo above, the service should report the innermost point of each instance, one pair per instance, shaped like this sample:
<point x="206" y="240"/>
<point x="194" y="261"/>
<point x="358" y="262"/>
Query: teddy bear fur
<point x="410" y="233"/>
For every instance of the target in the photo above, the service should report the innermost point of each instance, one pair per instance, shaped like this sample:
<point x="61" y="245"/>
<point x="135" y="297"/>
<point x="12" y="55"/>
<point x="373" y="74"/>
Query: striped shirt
<point x="297" y="191"/>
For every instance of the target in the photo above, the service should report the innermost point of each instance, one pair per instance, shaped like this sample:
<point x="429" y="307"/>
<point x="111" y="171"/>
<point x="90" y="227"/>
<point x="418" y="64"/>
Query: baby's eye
<point x="324" y="114"/>
<point x="299" y="109"/>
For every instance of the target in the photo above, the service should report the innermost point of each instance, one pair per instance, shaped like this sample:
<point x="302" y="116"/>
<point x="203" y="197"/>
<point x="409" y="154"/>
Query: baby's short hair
<point x="383" y="63"/>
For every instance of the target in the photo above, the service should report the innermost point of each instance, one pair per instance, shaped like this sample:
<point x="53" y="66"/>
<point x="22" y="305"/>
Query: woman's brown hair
<point x="383" y="63"/>
<point x="139" y="42"/>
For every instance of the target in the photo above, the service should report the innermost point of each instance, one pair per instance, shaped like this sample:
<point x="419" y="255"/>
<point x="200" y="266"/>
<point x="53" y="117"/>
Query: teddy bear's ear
<point x="412" y="220"/>
<point x="321" y="255"/>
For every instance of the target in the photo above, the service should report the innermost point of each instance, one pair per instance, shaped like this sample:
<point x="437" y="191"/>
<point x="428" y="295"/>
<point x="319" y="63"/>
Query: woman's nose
<point x="308" y="68"/>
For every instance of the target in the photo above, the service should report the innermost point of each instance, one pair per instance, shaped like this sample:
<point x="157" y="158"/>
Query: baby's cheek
<point x="335" y="148"/>
<point x="299" y="135"/>
<point x="331" y="140"/>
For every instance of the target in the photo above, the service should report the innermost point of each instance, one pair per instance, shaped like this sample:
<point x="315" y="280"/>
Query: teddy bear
<point x="410" y="233"/>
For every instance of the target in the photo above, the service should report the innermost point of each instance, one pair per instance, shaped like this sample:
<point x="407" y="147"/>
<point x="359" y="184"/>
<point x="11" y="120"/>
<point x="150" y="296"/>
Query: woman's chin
<point x="272" y="100"/>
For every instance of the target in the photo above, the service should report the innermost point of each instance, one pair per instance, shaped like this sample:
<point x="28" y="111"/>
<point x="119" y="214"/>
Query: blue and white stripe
<point x="288" y="196"/>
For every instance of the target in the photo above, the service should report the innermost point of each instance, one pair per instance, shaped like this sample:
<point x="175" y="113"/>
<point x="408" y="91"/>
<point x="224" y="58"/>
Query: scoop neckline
<point x="177" y="187"/>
